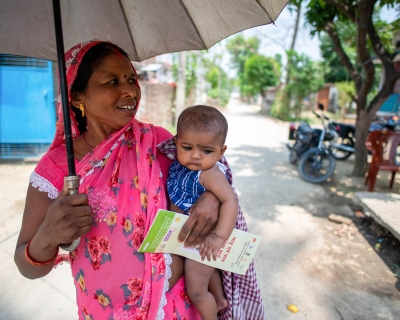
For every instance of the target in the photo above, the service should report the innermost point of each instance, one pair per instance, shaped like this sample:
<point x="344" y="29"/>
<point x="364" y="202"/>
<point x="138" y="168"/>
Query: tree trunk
<point x="343" y="111"/>
<point x="298" y="108"/>
<point x="200" y="79"/>
<point x="181" y="87"/>
<point x="363" y="123"/>
<point x="296" y="29"/>
<point x="265" y="108"/>
<point x="361" y="15"/>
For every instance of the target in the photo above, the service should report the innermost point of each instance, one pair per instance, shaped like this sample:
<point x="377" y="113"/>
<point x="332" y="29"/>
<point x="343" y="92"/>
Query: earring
<point x="82" y="108"/>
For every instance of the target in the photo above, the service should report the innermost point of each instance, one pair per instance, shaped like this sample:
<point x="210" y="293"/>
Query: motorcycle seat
<point x="305" y="128"/>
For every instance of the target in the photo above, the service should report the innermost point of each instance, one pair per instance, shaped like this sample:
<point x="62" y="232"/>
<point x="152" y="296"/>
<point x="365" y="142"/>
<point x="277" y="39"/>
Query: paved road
<point x="301" y="261"/>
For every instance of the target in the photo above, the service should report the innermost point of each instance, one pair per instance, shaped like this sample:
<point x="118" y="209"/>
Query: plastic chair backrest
<point x="383" y="145"/>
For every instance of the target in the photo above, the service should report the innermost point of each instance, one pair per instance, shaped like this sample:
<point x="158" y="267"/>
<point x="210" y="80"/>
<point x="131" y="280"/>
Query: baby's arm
<point x="215" y="181"/>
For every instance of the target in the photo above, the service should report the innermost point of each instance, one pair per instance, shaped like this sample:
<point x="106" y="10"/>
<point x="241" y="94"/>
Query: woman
<point x="122" y="187"/>
<point x="123" y="177"/>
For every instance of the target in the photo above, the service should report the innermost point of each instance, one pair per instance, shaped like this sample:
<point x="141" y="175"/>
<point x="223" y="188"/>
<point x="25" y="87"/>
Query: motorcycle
<point x="344" y="146"/>
<point x="312" y="148"/>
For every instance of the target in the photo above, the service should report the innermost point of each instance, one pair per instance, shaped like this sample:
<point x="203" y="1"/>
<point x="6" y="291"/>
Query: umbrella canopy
<point x="144" y="28"/>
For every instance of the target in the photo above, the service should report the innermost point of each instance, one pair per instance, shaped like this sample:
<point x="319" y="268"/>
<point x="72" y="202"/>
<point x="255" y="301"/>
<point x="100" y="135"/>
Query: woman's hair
<point x="90" y="63"/>
<point x="203" y="119"/>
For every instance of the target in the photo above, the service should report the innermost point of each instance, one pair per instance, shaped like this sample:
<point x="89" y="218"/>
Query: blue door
<point x="27" y="106"/>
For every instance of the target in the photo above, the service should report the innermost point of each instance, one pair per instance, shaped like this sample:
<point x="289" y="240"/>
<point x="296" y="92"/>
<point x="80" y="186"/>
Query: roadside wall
<point x="156" y="105"/>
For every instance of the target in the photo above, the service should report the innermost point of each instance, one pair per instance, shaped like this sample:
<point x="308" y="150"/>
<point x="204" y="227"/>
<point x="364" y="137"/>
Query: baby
<point x="201" y="134"/>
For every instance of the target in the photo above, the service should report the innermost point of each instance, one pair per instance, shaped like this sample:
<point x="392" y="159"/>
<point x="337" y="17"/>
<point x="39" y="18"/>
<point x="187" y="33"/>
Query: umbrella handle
<point x="72" y="183"/>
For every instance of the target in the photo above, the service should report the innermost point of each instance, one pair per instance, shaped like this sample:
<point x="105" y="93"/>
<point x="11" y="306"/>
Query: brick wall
<point x="156" y="104"/>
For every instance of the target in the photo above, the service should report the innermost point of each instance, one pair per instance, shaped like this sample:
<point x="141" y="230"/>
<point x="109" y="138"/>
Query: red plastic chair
<point x="383" y="146"/>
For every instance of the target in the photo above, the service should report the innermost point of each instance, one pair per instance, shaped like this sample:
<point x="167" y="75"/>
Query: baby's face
<point x="198" y="150"/>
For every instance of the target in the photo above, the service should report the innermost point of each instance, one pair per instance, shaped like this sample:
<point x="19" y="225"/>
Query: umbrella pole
<point x="72" y="181"/>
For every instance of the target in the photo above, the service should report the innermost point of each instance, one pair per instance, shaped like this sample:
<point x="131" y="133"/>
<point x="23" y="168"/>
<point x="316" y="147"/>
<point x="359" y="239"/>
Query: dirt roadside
<point x="341" y="189"/>
<point x="339" y="192"/>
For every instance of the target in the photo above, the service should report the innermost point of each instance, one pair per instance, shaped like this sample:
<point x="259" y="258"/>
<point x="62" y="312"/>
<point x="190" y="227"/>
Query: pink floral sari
<point x="124" y="179"/>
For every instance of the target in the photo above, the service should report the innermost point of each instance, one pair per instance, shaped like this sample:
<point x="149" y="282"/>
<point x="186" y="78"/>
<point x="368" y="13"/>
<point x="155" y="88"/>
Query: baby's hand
<point x="211" y="246"/>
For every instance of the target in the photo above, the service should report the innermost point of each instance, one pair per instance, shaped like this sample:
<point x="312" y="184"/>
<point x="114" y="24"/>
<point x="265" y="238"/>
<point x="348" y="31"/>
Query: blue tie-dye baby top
<point x="183" y="185"/>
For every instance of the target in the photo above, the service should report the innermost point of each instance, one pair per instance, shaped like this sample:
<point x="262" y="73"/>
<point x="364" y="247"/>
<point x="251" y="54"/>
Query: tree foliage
<point x="260" y="72"/>
<point x="241" y="49"/>
<point x="333" y="69"/>
<point x="304" y="78"/>
<point x="220" y="83"/>
<point x="255" y="71"/>
<point x="347" y="91"/>
<point x="190" y="72"/>
<point x="305" y="75"/>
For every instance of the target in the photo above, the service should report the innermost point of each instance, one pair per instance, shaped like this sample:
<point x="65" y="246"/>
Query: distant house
<point x="155" y="70"/>
<point x="328" y="97"/>
<point x="158" y="90"/>
<point x="27" y="106"/>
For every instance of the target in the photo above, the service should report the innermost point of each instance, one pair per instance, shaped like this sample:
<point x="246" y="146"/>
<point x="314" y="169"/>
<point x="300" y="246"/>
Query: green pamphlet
<point x="235" y="255"/>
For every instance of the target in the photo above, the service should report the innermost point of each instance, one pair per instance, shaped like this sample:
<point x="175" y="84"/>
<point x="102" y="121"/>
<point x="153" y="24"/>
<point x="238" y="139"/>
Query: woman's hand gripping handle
<point x="49" y="223"/>
<point x="70" y="214"/>
<point x="71" y="183"/>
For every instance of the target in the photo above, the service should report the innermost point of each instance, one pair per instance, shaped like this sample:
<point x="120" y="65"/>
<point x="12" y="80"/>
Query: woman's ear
<point x="223" y="149"/>
<point x="76" y="99"/>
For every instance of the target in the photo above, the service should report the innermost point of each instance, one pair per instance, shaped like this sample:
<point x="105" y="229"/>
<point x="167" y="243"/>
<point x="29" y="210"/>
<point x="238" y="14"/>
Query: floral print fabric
<point x="123" y="180"/>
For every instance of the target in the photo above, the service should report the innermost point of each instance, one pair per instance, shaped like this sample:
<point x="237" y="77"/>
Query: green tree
<point x="333" y="69"/>
<point x="241" y="49"/>
<point x="260" y="72"/>
<point x="304" y="78"/>
<point x="190" y="72"/>
<point x="347" y="92"/>
<point x="217" y="78"/>
<point x="220" y="84"/>
<point x="371" y="34"/>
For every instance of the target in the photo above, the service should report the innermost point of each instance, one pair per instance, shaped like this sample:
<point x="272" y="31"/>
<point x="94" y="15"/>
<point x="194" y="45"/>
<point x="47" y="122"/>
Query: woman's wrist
<point x="41" y="249"/>
<point x="35" y="262"/>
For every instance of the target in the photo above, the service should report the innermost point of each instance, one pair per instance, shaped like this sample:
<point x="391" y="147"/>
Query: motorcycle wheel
<point x="292" y="157"/>
<point x="316" y="166"/>
<point x="342" y="154"/>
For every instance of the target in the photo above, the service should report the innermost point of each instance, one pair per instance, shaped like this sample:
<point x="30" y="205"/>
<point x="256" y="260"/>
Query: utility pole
<point x="181" y="86"/>
<point x="200" y="79"/>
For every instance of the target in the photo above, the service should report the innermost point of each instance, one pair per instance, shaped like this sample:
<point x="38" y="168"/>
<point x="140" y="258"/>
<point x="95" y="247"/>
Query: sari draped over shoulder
<point x="123" y="180"/>
<point x="124" y="183"/>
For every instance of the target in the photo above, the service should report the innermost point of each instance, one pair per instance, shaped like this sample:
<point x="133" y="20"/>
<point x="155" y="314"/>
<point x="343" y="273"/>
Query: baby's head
<point x="203" y="119"/>
<point x="201" y="134"/>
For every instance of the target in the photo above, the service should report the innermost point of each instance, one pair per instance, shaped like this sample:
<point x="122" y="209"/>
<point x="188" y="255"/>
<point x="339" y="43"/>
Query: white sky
<point x="275" y="39"/>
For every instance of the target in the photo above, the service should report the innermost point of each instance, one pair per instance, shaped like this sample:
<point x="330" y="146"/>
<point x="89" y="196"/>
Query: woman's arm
<point x="48" y="223"/>
<point x="202" y="220"/>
